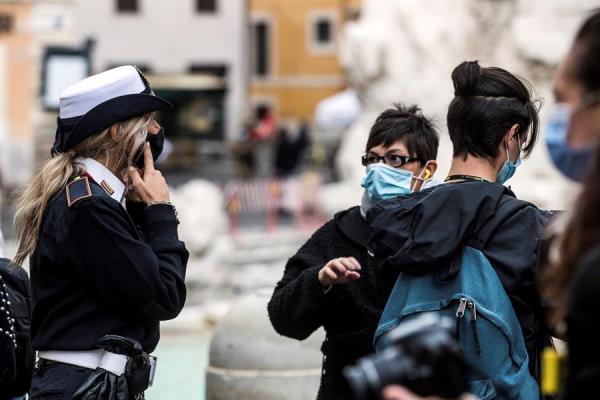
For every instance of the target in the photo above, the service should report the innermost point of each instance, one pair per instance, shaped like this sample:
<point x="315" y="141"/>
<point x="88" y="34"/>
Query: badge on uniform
<point x="78" y="190"/>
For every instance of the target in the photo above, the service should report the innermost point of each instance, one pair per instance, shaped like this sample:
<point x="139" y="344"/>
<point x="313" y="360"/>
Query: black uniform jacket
<point x="422" y="232"/>
<point x="95" y="273"/>
<point x="348" y="312"/>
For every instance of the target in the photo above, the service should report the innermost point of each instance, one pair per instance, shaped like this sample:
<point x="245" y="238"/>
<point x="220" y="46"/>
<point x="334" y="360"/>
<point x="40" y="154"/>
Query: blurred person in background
<point x="243" y="153"/>
<point x="289" y="149"/>
<point x="262" y="136"/>
<point x="330" y="283"/>
<point x="572" y="281"/>
<point x="16" y="354"/>
<point x="101" y="237"/>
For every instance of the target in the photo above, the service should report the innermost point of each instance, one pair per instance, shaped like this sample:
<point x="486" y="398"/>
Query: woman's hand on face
<point x="132" y="194"/>
<point x="339" y="270"/>
<point x="151" y="186"/>
<point x="395" y="392"/>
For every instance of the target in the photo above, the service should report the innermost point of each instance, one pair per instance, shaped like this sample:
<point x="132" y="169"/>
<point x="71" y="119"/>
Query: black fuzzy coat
<point x="349" y="313"/>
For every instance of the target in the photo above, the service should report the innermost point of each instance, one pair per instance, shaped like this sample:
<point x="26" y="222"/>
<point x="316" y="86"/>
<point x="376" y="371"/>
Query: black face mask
<point x="157" y="142"/>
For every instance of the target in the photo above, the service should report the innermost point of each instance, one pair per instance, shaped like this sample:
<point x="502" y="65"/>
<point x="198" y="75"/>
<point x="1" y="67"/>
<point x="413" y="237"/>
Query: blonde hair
<point x="33" y="199"/>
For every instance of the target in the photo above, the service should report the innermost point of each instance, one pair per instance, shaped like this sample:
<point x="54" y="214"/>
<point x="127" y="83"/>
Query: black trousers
<point x="56" y="381"/>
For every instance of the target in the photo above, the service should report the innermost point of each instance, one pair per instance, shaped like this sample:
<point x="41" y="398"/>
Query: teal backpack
<point x="487" y="327"/>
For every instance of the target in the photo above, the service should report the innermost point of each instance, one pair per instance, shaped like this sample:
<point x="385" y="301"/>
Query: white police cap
<point x="95" y="103"/>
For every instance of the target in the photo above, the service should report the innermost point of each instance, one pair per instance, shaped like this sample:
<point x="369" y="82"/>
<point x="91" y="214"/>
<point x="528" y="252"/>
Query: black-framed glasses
<point x="393" y="160"/>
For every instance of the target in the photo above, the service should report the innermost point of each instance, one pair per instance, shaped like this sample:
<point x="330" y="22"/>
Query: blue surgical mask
<point x="573" y="163"/>
<point x="509" y="168"/>
<point x="383" y="182"/>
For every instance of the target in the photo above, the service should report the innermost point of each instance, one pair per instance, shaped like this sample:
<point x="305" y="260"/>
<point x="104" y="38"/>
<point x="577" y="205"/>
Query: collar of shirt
<point x="103" y="177"/>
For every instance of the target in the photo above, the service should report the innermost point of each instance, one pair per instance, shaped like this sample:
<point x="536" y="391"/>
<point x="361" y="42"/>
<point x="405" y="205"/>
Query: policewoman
<point x="106" y="263"/>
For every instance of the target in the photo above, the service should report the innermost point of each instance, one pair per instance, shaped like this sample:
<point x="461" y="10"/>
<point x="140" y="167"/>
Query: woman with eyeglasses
<point x="329" y="282"/>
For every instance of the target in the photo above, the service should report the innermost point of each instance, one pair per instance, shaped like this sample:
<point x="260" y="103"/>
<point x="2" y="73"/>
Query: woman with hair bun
<point x="493" y="124"/>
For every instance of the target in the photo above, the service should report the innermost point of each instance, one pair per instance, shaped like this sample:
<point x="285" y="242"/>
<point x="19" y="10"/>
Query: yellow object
<point x="551" y="362"/>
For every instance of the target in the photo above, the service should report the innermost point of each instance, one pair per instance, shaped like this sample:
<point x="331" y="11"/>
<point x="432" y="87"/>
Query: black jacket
<point x="583" y="329"/>
<point x="422" y="232"/>
<point x="94" y="273"/>
<point x="349" y="312"/>
<point x="16" y="364"/>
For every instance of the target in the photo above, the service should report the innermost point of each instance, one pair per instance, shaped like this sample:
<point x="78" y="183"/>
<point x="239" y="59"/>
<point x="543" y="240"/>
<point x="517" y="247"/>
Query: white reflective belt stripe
<point x="90" y="359"/>
<point x="86" y="359"/>
<point x="114" y="363"/>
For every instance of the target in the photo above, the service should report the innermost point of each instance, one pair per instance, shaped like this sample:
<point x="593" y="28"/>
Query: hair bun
<point x="466" y="78"/>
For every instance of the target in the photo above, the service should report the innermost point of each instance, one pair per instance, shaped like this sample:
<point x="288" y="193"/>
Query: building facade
<point x="177" y="41"/>
<point x="293" y="53"/>
<point x="16" y="102"/>
<point x="26" y="27"/>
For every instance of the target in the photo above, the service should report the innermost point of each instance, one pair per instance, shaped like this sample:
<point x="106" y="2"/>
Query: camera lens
<point x="358" y="381"/>
<point x="372" y="373"/>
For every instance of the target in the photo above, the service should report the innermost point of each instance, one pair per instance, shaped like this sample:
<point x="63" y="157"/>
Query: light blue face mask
<point x="573" y="163"/>
<point x="383" y="182"/>
<point x="509" y="168"/>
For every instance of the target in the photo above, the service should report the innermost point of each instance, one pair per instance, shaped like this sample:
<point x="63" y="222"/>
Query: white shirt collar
<point x="103" y="177"/>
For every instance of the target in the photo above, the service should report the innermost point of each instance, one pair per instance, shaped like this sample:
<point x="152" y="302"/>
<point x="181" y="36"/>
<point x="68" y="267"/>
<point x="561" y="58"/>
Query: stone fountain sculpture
<point x="405" y="50"/>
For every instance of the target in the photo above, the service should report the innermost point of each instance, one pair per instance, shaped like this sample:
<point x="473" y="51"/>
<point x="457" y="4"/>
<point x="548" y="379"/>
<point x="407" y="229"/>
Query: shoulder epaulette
<point x="78" y="190"/>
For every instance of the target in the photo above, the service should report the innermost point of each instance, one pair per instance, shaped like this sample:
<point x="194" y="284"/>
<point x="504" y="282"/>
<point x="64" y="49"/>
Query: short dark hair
<point x="487" y="103"/>
<point x="419" y="134"/>
<point x="587" y="48"/>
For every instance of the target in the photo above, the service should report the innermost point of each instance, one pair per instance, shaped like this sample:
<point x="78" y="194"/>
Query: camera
<point x="421" y="354"/>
